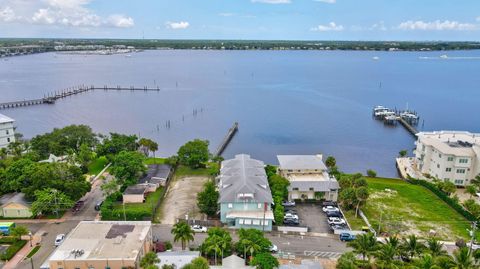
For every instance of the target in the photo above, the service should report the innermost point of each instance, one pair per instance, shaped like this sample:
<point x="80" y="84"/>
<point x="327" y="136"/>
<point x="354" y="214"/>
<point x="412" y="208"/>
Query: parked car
<point x="288" y="203"/>
<point x="290" y="216"/>
<point x="199" y="229"/>
<point x="291" y="222"/>
<point x="273" y="248"/>
<point x="78" y="205"/>
<point x="329" y="203"/>
<point x="291" y="211"/>
<point x="98" y="205"/>
<point x="330" y="208"/>
<point x="335" y="220"/>
<point x="59" y="239"/>
<point x="347" y="237"/>
<point x="334" y="227"/>
<point x="337" y="214"/>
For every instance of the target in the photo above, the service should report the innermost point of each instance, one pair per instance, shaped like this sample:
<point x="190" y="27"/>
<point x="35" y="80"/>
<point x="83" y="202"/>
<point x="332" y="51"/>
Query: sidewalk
<point x="22" y="254"/>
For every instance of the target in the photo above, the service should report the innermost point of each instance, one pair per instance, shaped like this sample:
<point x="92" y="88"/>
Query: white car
<point x="290" y="216"/>
<point x="273" y="248"/>
<point x="330" y="208"/>
<point x="59" y="239"/>
<point x="199" y="229"/>
<point x="335" y="220"/>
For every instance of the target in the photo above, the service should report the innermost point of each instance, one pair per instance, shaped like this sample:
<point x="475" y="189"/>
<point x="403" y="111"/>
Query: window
<point x="8" y="139"/>
<point x="230" y="205"/>
<point x="248" y="222"/>
<point x="240" y="221"/>
<point x="259" y="205"/>
<point x="460" y="171"/>
<point x="463" y="160"/>
<point x="290" y="170"/>
<point x="439" y="155"/>
<point x="256" y="222"/>
<point x="438" y="165"/>
<point x="7" y="132"/>
<point x="265" y="223"/>
<point x="450" y="159"/>
<point x="458" y="181"/>
<point x="448" y="169"/>
<point x="311" y="189"/>
<point x="295" y="189"/>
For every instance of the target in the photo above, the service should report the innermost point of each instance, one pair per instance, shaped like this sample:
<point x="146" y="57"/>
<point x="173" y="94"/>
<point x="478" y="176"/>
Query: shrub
<point x="371" y="173"/>
<point x="12" y="250"/>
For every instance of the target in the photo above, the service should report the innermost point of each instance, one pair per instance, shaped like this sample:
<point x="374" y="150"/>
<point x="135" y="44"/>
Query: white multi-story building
<point x="7" y="131"/>
<point x="449" y="155"/>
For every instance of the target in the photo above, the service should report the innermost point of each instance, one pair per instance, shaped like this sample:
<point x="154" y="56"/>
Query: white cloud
<point x="71" y="13"/>
<point x="378" y="26"/>
<point x="328" y="27"/>
<point x="437" y="26"/>
<point x="326" y="1"/>
<point x="272" y="1"/>
<point x="8" y="15"/>
<point x="177" y="25"/>
<point x="226" y="14"/>
<point x="478" y="18"/>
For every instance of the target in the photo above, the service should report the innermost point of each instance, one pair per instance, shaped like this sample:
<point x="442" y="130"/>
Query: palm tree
<point x="365" y="245"/>
<point x="149" y="260"/>
<point x="182" y="232"/>
<point x="462" y="259"/>
<point x="435" y="247"/>
<point x="225" y="242"/>
<point x="386" y="257"/>
<point x="412" y="247"/>
<point x="214" y="245"/>
<point x="426" y="261"/>
<point x="250" y="246"/>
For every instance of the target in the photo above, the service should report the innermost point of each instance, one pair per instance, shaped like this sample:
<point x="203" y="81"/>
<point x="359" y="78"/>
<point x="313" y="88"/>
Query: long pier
<point x="51" y="98"/>
<point x="407" y="126"/>
<point x="231" y="132"/>
<point x="407" y="118"/>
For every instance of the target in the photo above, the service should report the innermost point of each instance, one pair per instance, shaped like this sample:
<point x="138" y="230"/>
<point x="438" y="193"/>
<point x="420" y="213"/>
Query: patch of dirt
<point x="181" y="199"/>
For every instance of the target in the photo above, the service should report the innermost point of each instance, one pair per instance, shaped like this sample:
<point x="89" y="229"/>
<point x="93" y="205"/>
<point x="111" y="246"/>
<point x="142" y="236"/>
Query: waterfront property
<point x="104" y="244"/>
<point x="308" y="176"/>
<point x="14" y="205"/>
<point x="245" y="197"/>
<point x="448" y="155"/>
<point x="7" y="131"/>
<point x="157" y="174"/>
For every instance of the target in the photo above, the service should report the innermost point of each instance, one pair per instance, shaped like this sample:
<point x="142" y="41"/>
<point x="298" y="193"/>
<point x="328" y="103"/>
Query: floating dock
<point x="51" y="98"/>
<point x="231" y="132"/>
<point x="407" y="118"/>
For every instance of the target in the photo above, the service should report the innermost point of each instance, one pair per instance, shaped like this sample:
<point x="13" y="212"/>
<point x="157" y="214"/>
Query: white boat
<point x="376" y="58"/>
<point x="444" y="56"/>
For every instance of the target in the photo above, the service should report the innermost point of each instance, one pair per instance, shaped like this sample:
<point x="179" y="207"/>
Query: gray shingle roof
<point x="299" y="162"/>
<point x="135" y="189"/>
<point x="156" y="171"/>
<point x="321" y="186"/>
<point x="15" y="197"/>
<point x="244" y="175"/>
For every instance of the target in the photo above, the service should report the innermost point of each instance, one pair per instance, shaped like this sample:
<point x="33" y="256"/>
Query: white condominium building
<point x="449" y="155"/>
<point x="7" y="131"/>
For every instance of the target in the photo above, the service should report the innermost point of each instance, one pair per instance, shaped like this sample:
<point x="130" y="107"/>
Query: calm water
<point x="288" y="102"/>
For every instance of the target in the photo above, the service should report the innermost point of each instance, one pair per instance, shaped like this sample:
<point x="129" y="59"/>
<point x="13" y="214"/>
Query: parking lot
<point x="312" y="216"/>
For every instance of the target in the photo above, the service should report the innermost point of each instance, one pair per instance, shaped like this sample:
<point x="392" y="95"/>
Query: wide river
<point x="286" y="102"/>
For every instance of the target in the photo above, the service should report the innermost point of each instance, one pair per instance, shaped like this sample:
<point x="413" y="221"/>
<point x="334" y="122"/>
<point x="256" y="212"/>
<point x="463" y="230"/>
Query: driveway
<point x="312" y="216"/>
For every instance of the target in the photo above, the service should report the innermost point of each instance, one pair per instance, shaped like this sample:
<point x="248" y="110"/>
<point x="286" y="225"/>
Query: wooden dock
<point x="231" y="132"/>
<point x="51" y="98"/>
<point x="407" y="126"/>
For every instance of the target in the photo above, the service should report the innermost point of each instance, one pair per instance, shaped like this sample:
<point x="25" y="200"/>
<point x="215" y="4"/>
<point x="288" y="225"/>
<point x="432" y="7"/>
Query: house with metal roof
<point x="7" y="131"/>
<point x="245" y="197"/>
<point x="14" y="205"/>
<point x="308" y="176"/>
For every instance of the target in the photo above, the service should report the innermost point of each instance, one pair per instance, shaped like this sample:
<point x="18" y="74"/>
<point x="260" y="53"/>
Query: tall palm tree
<point x="412" y="247"/>
<point x="365" y="245"/>
<point x="214" y="245"/>
<point x="182" y="232"/>
<point x="225" y="242"/>
<point x="435" y="247"/>
<point x="426" y="261"/>
<point x="463" y="259"/>
<point x="250" y="246"/>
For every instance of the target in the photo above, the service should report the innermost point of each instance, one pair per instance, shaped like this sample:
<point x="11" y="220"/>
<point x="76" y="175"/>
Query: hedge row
<point x="8" y="239"/>
<point x="447" y="199"/>
<point x="12" y="250"/>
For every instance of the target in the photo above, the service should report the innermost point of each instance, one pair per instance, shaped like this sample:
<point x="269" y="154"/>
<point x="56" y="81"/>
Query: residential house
<point x="157" y="174"/>
<point x="245" y="197"/>
<point x="14" y="205"/>
<point x="448" y="155"/>
<point x="7" y="131"/>
<point x="135" y="194"/>
<point x="177" y="258"/>
<point x="233" y="262"/>
<point x="308" y="176"/>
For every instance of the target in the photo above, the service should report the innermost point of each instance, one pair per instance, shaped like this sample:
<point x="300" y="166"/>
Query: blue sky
<point x="243" y="19"/>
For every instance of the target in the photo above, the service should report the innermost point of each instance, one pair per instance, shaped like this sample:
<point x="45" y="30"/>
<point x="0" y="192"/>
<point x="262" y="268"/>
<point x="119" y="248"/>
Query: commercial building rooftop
<point x="301" y="162"/>
<point x="5" y="119"/>
<point x="452" y="142"/>
<point x="93" y="240"/>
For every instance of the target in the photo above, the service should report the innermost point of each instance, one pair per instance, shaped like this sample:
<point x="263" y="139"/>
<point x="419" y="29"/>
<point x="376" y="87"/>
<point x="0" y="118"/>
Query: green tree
<point x="426" y="261"/>
<point x="462" y="259"/>
<point x="50" y="201"/>
<point x="365" y="245"/>
<point x="197" y="263"/>
<point x="207" y="199"/>
<point x="252" y="241"/>
<point x="448" y="187"/>
<point x="85" y="155"/>
<point x="347" y="261"/>
<point x="330" y="162"/>
<point x="109" y="187"/>
<point x="147" y="146"/>
<point x="387" y="257"/>
<point x="127" y="166"/>
<point x="471" y="190"/>
<point x="371" y="173"/>
<point x="403" y="153"/>
<point x="361" y="195"/>
<point x="168" y="266"/>
<point x="412" y="247"/>
<point x="19" y="231"/>
<point x="182" y="232"/>
<point x="194" y="153"/>
<point x="117" y="143"/>
<point x="150" y="259"/>
<point x="218" y="242"/>
<point x="265" y="260"/>
<point x="435" y="247"/>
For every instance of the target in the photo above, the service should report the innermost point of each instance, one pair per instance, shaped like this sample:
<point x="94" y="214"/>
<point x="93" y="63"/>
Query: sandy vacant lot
<point x="181" y="199"/>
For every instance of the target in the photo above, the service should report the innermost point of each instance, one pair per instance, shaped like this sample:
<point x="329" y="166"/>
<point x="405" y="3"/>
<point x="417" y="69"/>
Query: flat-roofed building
<point x="104" y="244"/>
<point x="7" y="131"/>
<point x="308" y="176"/>
<point x="448" y="155"/>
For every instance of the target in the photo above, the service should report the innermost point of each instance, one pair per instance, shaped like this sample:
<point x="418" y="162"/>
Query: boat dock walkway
<point x="407" y="126"/>
<point x="231" y="132"/>
<point x="51" y="98"/>
<point x="407" y="118"/>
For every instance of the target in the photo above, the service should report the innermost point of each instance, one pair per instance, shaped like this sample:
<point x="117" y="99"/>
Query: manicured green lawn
<point x="97" y="165"/>
<point x="139" y="211"/>
<point x="403" y="208"/>
<point x="33" y="251"/>
<point x="154" y="161"/>
<point x="210" y="170"/>
<point x="355" y="223"/>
